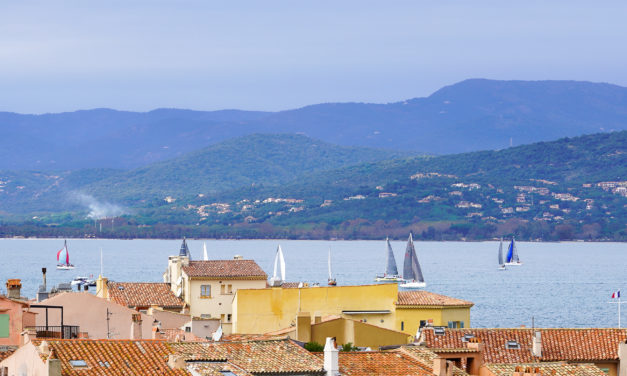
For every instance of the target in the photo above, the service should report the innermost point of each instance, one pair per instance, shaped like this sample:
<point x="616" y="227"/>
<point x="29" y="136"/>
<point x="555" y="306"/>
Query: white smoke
<point x="98" y="209"/>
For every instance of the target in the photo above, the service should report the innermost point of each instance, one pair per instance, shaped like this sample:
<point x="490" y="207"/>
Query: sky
<point x="58" y="56"/>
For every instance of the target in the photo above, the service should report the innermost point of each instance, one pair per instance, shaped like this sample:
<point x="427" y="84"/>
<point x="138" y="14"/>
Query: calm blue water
<point x="560" y="284"/>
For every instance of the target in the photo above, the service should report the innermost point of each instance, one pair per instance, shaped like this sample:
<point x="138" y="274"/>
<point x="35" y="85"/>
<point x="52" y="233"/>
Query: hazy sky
<point x="270" y="55"/>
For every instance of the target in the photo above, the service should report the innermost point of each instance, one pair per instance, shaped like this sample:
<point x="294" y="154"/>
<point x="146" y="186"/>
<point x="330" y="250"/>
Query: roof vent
<point x="467" y="337"/>
<point x="120" y="287"/>
<point x="438" y="330"/>
<point x="79" y="363"/>
<point x="512" y="345"/>
<point x="238" y="257"/>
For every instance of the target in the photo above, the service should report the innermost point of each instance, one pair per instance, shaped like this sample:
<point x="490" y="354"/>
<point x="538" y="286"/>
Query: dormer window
<point x="78" y="363"/>
<point x="512" y="345"/>
<point x="438" y="330"/>
<point x="467" y="337"/>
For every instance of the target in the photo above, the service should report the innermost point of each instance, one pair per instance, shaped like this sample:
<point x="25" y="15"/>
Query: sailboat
<point x="204" y="247"/>
<point x="332" y="281"/>
<point x="63" y="258"/>
<point x="279" y="265"/>
<point x="391" y="271"/>
<point x="501" y="263"/>
<point x="412" y="274"/>
<point x="512" y="254"/>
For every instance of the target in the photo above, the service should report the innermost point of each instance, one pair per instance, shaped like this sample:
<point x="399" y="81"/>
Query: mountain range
<point x="471" y="115"/>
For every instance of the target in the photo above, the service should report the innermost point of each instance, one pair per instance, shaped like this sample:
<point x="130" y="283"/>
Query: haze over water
<point x="559" y="284"/>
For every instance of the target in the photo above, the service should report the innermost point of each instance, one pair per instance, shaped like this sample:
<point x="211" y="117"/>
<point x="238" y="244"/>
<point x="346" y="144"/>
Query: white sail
<point x="330" y="273"/>
<point x="279" y="267"/>
<point x="204" y="247"/>
<point x="217" y="335"/>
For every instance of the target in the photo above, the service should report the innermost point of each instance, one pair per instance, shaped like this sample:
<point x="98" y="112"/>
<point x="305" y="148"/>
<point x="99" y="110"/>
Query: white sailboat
<point x="332" y="281"/>
<point x="501" y="263"/>
<point x="204" y="248"/>
<point x="279" y="265"/>
<point x="412" y="274"/>
<point x="391" y="271"/>
<point x="63" y="258"/>
<point x="512" y="255"/>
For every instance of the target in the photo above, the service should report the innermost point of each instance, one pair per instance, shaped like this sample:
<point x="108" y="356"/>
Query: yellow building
<point x="208" y="287"/>
<point x="271" y="309"/>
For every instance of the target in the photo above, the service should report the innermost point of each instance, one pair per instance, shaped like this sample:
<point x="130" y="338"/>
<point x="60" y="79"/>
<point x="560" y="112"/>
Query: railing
<point x="60" y="332"/>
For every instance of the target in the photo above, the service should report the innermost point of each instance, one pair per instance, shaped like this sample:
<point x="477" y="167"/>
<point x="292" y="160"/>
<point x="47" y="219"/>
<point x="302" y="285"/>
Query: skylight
<point x="438" y="330"/>
<point x="78" y="363"/>
<point x="512" y="345"/>
<point x="467" y="337"/>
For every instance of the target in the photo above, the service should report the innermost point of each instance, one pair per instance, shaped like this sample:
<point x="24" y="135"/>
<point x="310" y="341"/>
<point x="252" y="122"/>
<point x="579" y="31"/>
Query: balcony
<point x="59" y="332"/>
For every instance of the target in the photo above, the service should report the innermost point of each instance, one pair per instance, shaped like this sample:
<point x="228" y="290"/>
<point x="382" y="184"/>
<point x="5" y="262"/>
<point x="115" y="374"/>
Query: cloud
<point x="98" y="209"/>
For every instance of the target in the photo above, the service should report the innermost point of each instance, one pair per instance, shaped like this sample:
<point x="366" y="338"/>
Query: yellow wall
<point x="266" y="310"/>
<point x="271" y="309"/>
<point x="219" y="303"/>
<point x="409" y="317"/>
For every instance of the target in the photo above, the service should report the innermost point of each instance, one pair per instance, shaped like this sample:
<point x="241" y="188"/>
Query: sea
<point x="566" y="285"/>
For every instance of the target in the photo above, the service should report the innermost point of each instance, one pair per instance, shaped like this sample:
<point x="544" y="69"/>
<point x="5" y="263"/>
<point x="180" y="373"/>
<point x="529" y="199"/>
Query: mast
<point x="408" y="272"/>
<point x="390" y="268"/>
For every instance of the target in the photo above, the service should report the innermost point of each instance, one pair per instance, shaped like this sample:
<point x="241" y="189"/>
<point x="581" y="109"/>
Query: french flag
<point x="616" y="295"/>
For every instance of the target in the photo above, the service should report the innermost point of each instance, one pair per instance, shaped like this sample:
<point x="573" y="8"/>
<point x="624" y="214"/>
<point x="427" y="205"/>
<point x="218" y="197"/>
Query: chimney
<point x="238" y="257"/>
<point x="43" y="272"/>
<point x="439" y="366"/>
<point x="136" y="326"/>
<point x="331" y="358"/>
<point x="622" y="358"/>
<point x="14" y="288"/>
<point x="303" y="327"/>
<point x="102" y="287"/>
<point x="53" y="364"/>
<point x="536" y="345"/>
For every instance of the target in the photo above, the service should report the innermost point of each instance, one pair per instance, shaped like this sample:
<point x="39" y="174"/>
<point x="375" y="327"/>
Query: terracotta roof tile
<point x="426" y="298"/>
<point x="557" y="344"/>
<point x="225" y="269"/>
<point x="426" y="357"/>
<point x="143" y="294"/>
<point x="362" y="363"/>
<point x="278" y="356"/>
<point x="215" y="368"/>
<point x="6" y="353"/>
<point x="179" y="335"/>
<point x="114" y="357"/>
<point x="555" y="369"/>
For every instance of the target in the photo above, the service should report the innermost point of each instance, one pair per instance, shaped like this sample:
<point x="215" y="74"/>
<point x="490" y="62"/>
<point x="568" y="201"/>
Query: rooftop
<point x="426" y="357"/>
<point x="225" y="269"/>
<point x="426" y="298"/>
<point x="143" y="294"/>
<point x="553" y="369"/>
<point x="353" y="363"/>
<point x="557" y="344"/>
<point x="253" y="356"/>
<point x="112" y="357"/>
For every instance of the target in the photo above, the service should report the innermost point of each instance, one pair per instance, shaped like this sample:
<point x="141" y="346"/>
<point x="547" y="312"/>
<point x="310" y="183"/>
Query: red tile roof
<point x="554" y="369"/>
<point x="272" y="356"/>
<point x="142" y="294"/>
<point x="247" y="269"/>
<point x="426" y="298"/>
<point x="426" y="358"/>
<point x="363" y="363"/>
<point x="179" y="335"/>
<point x="113" y="357"/>
<point x="557" y="344"/>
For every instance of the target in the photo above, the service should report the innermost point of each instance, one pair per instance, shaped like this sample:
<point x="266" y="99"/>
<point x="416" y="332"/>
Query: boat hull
<point x="413" y="285"/>
<point x="389" y="279"/>
<point x="513" y="264"/>
<point x="65" y="267"/>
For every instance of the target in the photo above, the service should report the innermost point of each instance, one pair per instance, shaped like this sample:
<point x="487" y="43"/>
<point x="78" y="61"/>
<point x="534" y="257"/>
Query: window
<point x="188" y="329"/>
<point x="606" y="370"/>
<point x="512" y="345"/>
<point x="222" y="317"/>
<point x="228" y="317"/>
<point x="222" y="289"/>
<point x="78" y="363"/>
<point x="230" y="289"/>
<point x="402" y="325"/>
<point x="467" y="337"/>
<point x="438" y="331"/>
<point x="454" y="324"/>
<point x="423" y="323"/>
<point x="205" y="291"/>
<point x="205" y="315"/>
<point x="4" y="325"/>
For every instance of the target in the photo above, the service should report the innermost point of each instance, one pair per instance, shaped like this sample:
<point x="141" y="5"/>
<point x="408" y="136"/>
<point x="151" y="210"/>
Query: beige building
<point x="208" y="287"/>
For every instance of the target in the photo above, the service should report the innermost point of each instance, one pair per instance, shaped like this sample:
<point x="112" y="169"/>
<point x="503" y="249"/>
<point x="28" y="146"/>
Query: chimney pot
<point x="331" y="357"/>
<point x="14" y="288"/>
